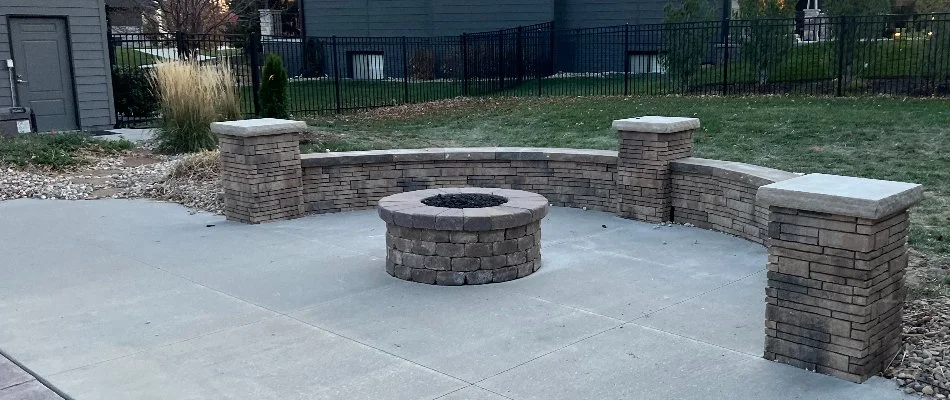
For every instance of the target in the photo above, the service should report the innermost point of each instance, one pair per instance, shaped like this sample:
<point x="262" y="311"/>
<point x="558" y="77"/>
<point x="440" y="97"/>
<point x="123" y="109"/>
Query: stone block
<point x="450" y="249"/>
<point x="491" y="236"/>
<point x="403" y="272"/>
<point x="478" y="277"/>
<point x="438" y="263"/>
<point x="493" y="262"/>
<point x="465" y="264"/>
<point x="478" y="249"/>
<point x="450" y="278"/>
<point x="504" y="274"/>
<point x="505" y="247"/>
<point x="841" y="195"/>
<point x="463" y="237"/>
<point x="422" y="247"/>
<point x="414" y="260"/>
<point x="656" y="125"/>
<point x="427" y="276"/>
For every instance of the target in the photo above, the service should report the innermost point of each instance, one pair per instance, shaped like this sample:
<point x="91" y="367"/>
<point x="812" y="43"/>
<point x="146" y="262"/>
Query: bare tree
<point x="194" y="16"/>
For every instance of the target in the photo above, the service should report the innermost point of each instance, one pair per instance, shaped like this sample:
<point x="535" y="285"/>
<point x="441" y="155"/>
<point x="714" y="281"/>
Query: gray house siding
<point x="92" y="77"/>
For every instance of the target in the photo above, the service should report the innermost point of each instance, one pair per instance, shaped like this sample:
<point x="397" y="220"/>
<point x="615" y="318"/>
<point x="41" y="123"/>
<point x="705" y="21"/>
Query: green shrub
<point x="133" y="92"/>
<point x="55" y="151"/>
<point x="274" y="88"/>
<point x="853" y="8"/>
<point x="191" y="97"/>
<point x="422" y="65"/>
<point x="768" y="34"/>
<point x="314" y="58"/>
<point x="931" y="6"/>
<point x="686" y="39"/>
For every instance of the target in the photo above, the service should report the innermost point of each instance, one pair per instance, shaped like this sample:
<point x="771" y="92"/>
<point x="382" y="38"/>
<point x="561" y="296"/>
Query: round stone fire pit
<point x="463" y="236"/>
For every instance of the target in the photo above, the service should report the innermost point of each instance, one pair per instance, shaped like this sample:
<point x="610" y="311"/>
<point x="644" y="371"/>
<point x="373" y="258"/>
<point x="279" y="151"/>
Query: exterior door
<point x="43" y="70"/>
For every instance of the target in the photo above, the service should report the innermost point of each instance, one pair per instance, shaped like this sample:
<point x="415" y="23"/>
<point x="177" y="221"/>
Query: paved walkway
<point x="114" y="299"/>
<point x="133" y="135"/>
<point x="17" y="384"/>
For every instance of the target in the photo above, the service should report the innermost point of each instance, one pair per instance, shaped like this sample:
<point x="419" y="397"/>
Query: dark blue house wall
<point x="399" y="17"/>
<point x="454" y="17"/>
<point x="367" y="17"/>
<point x="595" y="50"/>
<point x="576" y="14"/>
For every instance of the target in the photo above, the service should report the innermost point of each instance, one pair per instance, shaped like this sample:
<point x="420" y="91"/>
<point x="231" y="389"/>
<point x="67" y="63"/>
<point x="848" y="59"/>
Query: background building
<point x="60" y="54"/>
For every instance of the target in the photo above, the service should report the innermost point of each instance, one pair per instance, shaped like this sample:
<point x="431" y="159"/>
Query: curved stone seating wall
<point x="837" y="245"/>
<point x="720" y="195"/>
<point x="711" y="194"/>
<point x="334" y="182"/>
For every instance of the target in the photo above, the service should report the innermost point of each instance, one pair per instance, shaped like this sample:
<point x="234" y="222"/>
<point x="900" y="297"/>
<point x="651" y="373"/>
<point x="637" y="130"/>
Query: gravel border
<point x="131" y="175"/>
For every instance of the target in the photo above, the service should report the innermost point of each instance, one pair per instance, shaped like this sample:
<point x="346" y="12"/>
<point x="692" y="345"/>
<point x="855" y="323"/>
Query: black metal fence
<point x="907" y="55"/>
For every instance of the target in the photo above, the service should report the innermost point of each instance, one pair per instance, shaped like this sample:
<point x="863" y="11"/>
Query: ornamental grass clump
<point x="191" y="97"/>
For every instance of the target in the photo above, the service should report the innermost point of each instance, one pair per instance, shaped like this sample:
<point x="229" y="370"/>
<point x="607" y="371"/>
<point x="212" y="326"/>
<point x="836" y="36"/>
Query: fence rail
<point x="907" y="55"/>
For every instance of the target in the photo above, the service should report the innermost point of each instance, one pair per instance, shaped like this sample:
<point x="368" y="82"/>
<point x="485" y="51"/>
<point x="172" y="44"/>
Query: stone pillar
<point x="647" y="145"/>
<point x="260" y="169"/>
<point x="270" y="22"/>
<point x="837" y="252"/>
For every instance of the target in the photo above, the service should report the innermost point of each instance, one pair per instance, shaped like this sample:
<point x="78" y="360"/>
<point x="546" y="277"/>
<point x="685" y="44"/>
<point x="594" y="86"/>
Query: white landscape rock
<point x="110" y="177"/>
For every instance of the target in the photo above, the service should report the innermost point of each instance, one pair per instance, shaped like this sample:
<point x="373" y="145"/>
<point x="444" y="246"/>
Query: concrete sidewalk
<point x="115" y="299"/>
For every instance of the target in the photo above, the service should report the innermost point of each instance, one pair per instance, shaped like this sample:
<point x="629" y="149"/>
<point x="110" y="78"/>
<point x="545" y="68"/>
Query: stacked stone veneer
<point x="334" y="182"/>
<point x="471" y="246"/>
<point x="836" y="272"/>
<point x="260" y="169"/>
<point x="720" y="195"/>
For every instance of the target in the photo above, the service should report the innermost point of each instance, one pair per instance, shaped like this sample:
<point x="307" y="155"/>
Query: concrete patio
<point x="114" y="299"/>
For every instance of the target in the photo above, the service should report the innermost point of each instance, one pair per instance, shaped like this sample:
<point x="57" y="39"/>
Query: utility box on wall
<point x="16" y="121"/>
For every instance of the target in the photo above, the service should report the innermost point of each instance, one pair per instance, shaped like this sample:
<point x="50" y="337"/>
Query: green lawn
<point x="897" y="139"/>
<point x="808" y="69"/>
<point x="128" y="57"/>
<point x="314" y="96"/>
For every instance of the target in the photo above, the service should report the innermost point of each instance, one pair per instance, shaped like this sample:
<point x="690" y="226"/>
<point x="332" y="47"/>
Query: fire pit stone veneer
<point x="463" y="246"/>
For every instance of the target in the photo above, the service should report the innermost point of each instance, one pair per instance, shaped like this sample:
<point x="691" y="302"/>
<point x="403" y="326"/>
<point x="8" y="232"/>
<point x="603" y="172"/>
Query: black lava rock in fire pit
<point x="464" y="200"/>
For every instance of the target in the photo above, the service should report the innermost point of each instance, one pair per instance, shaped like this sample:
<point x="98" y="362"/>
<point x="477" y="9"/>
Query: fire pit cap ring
<point x="407" y="210"/>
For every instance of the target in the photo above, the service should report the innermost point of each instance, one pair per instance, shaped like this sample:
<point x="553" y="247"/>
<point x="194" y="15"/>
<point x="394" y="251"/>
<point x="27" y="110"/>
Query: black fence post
<point x="253" y="52"/>
<point x="626" y="59"/>
<point x="501" y="60"/>
<point x="519" y="55"/>
<point x="551" y="45"/>
<point x="405" y="71"/>
<point x="725" y="56"/>
<point x="336" y="76"/>
<point x="464" y="45"/>
<point x="538" y="51"/>
<point x="842" y="33"/>
<point x="726" y="15"/>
